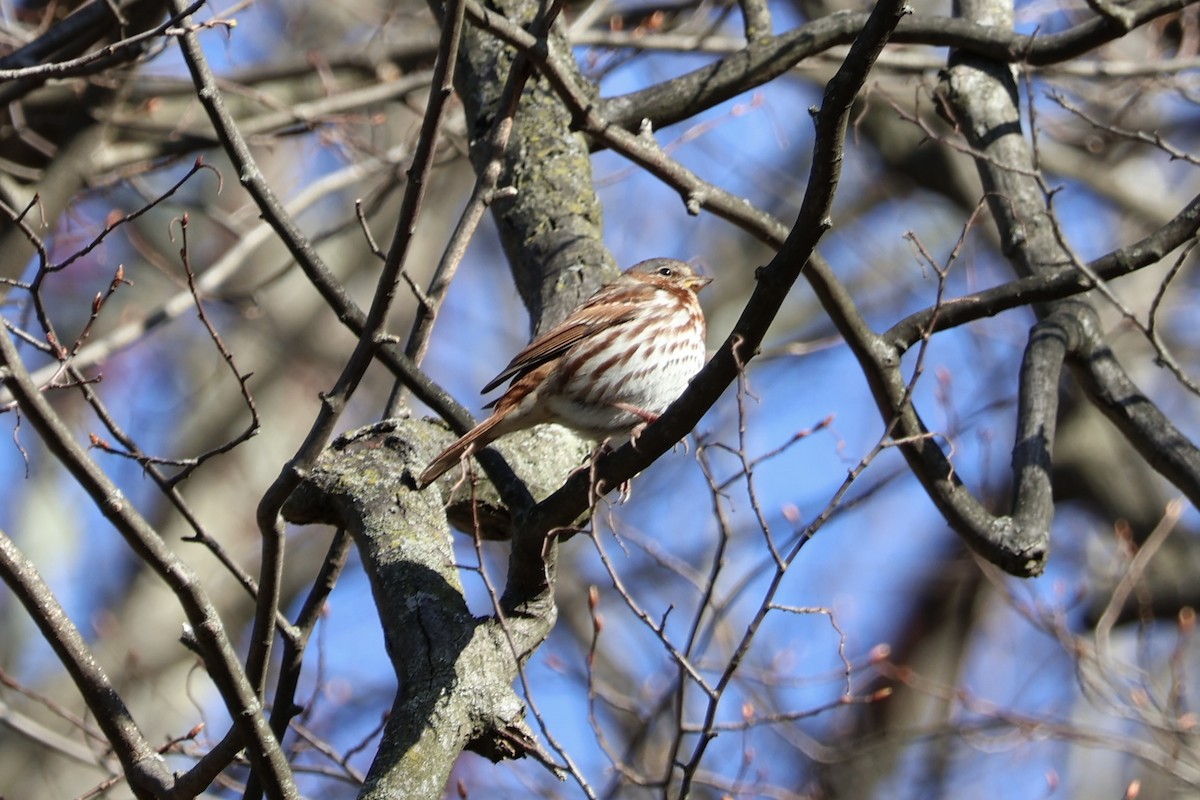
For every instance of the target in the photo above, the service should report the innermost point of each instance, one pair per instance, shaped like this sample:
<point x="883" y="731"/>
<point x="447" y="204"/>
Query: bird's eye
<point x="666" y="272"/>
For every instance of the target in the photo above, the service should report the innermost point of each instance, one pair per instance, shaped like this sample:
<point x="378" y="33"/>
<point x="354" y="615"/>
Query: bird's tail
<point x="471" y="442"/>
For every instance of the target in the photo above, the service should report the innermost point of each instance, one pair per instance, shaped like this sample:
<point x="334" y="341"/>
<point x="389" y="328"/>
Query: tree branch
<point x="762" y="60"/>
<point x="455" y="671"/>
<point x="1045" y="287"/>
<point x="220" y="658"/>
<point x="774" y="281"/>
<point x="144" y="768"/>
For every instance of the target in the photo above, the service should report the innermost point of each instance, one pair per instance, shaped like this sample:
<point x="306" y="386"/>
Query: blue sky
<point x="867" y="564"/>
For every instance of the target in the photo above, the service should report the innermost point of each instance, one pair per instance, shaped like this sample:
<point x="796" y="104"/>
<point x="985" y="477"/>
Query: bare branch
<point x="220" y="658"/>
<point x="148" y="774"/>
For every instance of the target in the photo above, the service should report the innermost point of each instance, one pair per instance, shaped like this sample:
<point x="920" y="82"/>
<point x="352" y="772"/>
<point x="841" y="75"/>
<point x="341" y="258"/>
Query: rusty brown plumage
<point x="613" y="365"/>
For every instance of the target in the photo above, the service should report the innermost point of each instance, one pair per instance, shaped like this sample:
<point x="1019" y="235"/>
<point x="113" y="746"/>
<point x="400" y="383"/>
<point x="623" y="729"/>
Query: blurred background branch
<point x="781" y="607"/>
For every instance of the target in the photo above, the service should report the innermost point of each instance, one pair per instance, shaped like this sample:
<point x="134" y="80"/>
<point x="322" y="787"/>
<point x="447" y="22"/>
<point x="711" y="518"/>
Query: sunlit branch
<point x="220" y="659"/>
<point x="677" y="99"/>
<point x="773" y="284"/>
<point x="148" y="774"/>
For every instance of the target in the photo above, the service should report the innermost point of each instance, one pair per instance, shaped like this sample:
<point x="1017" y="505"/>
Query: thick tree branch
<point x="455" y="671"/>
<point x="549" y="224"/>
<point x="982" y="96"/>
<point x="762" y="60"/>
<point x="1151" y="432"/>
<point x="270" y="521"/>
<point x="1056" y="284"/>
<point x="774" y="281"/>
<point x="550" y="221"/>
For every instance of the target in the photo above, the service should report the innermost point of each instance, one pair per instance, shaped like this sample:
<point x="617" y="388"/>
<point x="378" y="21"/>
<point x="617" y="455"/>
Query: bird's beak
<point x="698" y="282"/>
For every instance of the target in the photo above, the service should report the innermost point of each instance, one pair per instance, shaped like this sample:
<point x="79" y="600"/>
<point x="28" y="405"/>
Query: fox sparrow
<point x="612" y="366"/>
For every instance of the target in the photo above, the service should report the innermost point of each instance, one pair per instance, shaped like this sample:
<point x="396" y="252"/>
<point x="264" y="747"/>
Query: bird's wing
<point x="585" y="322"/>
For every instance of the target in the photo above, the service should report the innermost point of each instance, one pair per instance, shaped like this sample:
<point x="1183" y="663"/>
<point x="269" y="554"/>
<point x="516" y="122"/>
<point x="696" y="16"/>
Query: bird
<point x="607" y="370"/>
